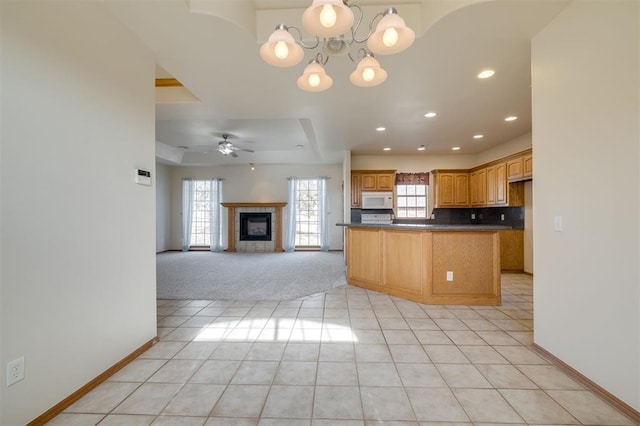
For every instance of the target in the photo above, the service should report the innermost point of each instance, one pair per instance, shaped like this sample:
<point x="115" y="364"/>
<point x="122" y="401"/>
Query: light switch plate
<point x="557" y="223"/>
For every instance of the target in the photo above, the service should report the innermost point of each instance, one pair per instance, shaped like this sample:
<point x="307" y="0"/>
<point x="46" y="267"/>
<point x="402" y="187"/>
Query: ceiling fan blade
<point x="234" y="155"/>
<point x="246" y="150"/>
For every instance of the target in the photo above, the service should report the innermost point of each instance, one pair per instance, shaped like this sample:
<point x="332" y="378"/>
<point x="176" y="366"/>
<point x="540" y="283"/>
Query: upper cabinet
<point x="528" y="165"/>
<point x="499" y="183"/>
<point x="478" y="187"/>
<point x="356" y="190"/>
<point x="377" y="181"/>
<point x="370" y="180"/>
<point x="497" y="192"/>
<point x="520" y="167"/>
<point x="451" y="188"/>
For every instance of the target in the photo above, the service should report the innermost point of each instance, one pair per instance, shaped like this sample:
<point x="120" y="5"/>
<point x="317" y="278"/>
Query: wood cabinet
<point x="370" y="180"/>
<point x="520" y="167"/>
<point x="514" y="169"/>
<point x="451" y="188"/>
<point x="527" y="165"/>
<point x="497" y="193"/>
<point x="478" y="187"/>
<point x="414" y="264"/>
<point x="356" y="190"/>
<point x="512" y="250"/>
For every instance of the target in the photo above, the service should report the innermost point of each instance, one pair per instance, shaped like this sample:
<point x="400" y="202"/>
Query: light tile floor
<point x="345" y="357"/>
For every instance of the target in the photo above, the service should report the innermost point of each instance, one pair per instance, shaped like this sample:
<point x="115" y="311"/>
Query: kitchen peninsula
<point x="433" y="264"/>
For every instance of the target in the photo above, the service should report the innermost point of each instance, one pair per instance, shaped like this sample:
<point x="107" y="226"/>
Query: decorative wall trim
<point x="65" y="403"/>
<point x="617" y="403"/>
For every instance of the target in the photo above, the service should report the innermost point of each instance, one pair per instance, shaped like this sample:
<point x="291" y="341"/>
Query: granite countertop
<point x="429" y="227"/>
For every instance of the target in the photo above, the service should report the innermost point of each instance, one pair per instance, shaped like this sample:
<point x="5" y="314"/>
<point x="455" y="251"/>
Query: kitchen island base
<point x="447" y="267"/>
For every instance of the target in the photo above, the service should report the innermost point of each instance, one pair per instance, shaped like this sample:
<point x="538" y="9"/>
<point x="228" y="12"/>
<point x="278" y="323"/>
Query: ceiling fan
<point x="227" y="148"/>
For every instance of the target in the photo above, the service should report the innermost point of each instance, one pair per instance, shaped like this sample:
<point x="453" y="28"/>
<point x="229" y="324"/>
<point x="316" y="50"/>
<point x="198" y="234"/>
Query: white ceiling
<point x="211" y="46"/>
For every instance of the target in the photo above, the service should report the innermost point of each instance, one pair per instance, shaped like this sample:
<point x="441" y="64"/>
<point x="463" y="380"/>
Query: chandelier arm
<point x="322" y="59"/>
<point x="362" y="51"/>
<point x="354" y="27"/>
<point x="301" y="42"/>
<point x="373" y="20"/>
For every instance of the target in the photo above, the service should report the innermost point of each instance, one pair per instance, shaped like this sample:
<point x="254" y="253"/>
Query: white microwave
<point x="377" y="200"/>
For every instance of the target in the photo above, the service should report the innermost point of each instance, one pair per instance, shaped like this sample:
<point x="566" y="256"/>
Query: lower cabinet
<point x="512" y="250"/>
<point x="403" y="257"/>
<point x="363" y="244"/>
<point x="439" y="267"/>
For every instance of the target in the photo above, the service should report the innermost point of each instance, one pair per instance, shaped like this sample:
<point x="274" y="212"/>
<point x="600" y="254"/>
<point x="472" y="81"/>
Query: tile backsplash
<point x="508" y="216"/>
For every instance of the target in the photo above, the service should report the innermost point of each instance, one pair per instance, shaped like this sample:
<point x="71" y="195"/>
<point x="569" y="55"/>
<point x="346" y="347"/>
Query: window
<point x="412" y="192"/>
<point x="307" y="213"/>
<point x="201" y="212"/>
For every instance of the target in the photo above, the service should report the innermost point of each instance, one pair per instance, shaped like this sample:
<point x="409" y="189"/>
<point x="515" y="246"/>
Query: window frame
<point x="416" y="208"/>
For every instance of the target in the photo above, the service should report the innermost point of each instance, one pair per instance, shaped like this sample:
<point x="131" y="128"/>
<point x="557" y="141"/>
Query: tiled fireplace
<point x="254" y="227"/>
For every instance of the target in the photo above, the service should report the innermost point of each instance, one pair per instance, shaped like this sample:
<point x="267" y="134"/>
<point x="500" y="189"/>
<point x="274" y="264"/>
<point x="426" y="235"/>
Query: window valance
<point x="412" y="178"/>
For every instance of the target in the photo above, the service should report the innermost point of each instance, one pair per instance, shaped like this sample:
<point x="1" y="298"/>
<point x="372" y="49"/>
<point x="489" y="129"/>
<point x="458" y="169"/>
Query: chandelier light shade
<point x="368" y="73"/>
<point x="327" y="18"/>
<point x="335" y="27"/>
<point x="314" y="78"/>
<point x="281" y="50"/>
<point x="391" y="35"/>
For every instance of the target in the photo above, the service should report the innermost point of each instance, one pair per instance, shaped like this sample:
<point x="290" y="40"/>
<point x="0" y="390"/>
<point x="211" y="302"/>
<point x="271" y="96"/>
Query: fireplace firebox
<point x="255" y="226"/>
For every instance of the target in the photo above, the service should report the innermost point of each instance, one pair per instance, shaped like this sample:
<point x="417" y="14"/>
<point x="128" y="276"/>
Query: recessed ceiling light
<point x="455" y="148"/>
<point x="422" y="148"/>
<point x="381" y="129"/>
<point x="511" y="118"/>
<point x="486" y="73"/>
<point x="386" y="149"/>
<point x="430" y="114"/>
<point x="478" y="136"/>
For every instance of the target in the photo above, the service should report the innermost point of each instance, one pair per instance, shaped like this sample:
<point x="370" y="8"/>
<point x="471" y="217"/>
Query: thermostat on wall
<point x="143" y="177"/>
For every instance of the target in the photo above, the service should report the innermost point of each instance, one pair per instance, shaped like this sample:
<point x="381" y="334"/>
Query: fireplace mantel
<point x="277" y="233"/>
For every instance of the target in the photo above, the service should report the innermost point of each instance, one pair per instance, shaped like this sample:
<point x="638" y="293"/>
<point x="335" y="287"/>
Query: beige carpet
<point x="247" y="276"/>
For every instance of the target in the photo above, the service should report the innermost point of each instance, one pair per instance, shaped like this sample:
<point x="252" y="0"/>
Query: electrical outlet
<point x="15" y="371"/>
<point x="449" y="275"/>
<point x="473" y="216"/>
<point x="502" y="216"/>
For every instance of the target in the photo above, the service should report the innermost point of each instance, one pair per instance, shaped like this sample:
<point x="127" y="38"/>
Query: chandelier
<point x="333" y="24"/>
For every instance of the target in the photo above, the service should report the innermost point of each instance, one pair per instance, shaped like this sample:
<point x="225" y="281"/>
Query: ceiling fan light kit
<point x="227" y="148"/>
<point x="335" y="23"/>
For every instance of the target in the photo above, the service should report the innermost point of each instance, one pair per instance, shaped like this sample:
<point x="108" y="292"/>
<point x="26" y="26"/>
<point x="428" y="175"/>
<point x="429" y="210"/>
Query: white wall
<point x="78" y="255"/>
<point x="513" y="146"/>
<point x="528" y="227"/>
<point x="163" y="207"/>
<point x="586" y="143"/>
<point x="268" y="183"/>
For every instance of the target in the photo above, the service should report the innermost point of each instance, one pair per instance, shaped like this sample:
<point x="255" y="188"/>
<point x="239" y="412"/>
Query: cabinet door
<point x="514" y="168"/>
<point x="369" y="182"/>
<point x="491" y="185"/>
<point x="356" y="190"/>
<point x="502" y="194"/>
<point x="385" y="182"/>
<point x="444" y="190"/>
<point x="461" y="189"/>
<point x="528" y="165"/>
<point x="479" y="187"/>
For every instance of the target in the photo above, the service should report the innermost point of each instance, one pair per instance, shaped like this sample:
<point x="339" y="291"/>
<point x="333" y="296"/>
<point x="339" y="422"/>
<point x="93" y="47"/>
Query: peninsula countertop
<point x="428" y="227"/>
